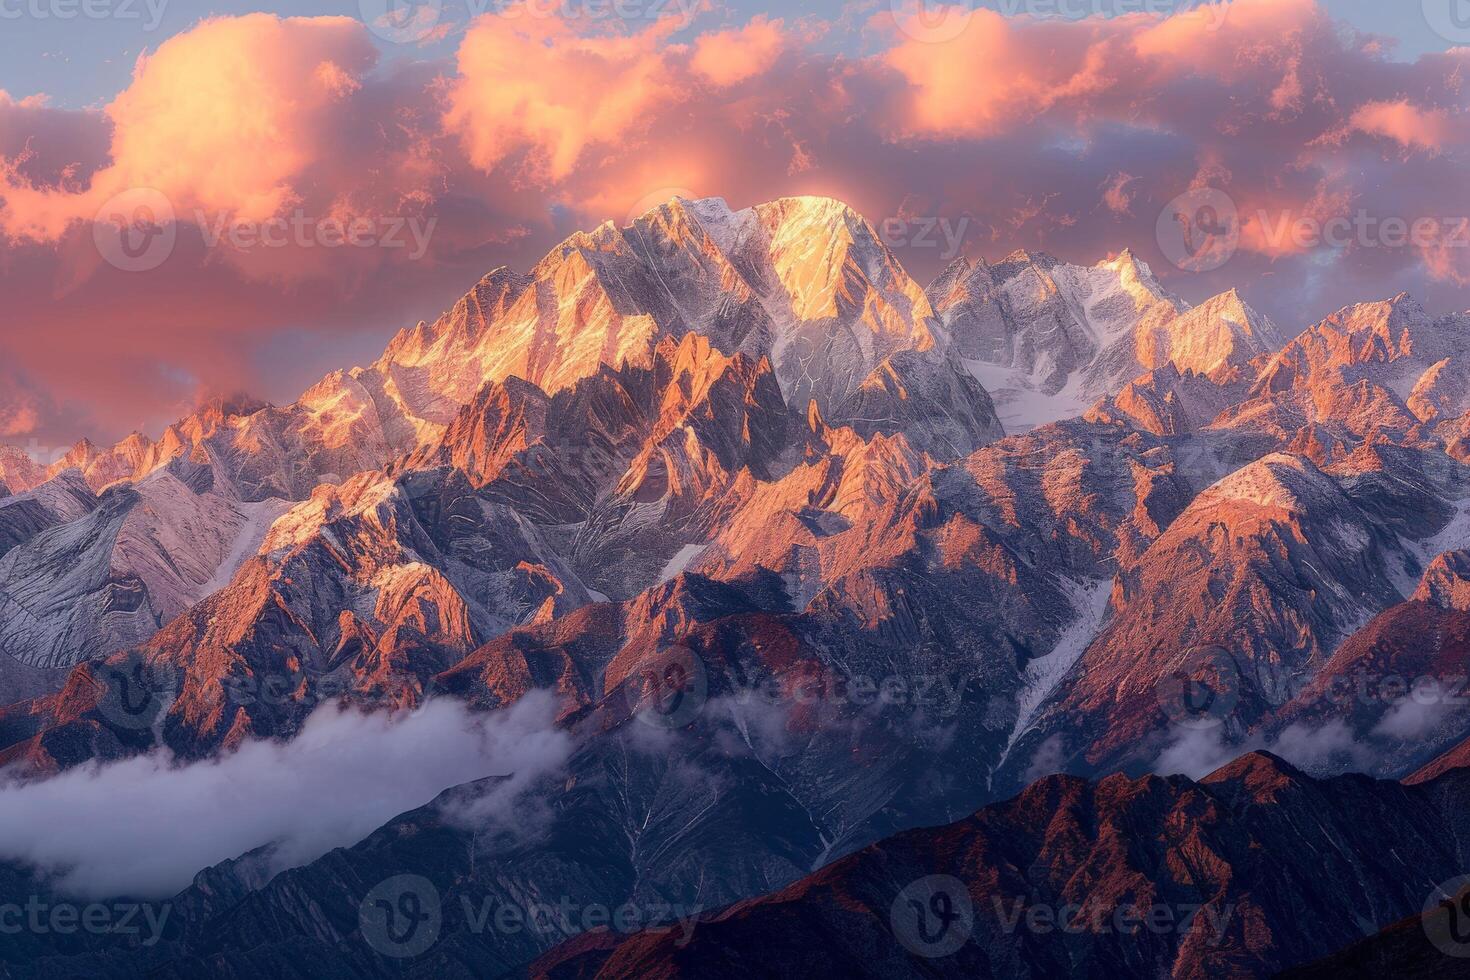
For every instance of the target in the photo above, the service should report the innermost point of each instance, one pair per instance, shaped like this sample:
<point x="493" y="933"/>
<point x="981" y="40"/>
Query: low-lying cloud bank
<point x="1197" y="752"/>
<point x="144" y="827"/>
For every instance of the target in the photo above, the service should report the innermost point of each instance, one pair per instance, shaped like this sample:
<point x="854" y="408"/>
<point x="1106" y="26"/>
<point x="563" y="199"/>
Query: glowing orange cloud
<point x="976" y="73"/>
<point x="1404" y="123"/>
<point x="991" y="75"/>
<point x="535" y="83"/>
<point x="223" y="118"/>
<point x="1226" y="38"/>
<point x="729" y="57"/>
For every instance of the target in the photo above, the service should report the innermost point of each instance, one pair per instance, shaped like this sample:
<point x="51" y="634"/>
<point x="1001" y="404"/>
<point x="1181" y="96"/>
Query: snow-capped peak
<point x="1046" y="337"/>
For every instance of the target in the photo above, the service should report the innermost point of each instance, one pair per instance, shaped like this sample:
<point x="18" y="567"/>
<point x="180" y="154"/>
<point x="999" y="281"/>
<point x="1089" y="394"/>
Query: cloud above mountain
<point x="1067" y="135"/>
<point x="115" y="829"/>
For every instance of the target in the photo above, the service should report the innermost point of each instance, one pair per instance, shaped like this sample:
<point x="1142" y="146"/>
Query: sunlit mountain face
<point x="617" y="490"/>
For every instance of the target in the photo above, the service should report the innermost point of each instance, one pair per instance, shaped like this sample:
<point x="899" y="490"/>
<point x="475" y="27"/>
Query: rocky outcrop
<point x="1272" y="568"/>
<point x="1446" y="581"/>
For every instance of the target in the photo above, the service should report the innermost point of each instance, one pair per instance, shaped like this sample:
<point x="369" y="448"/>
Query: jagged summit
<point x="808" y="283"/>
<point x="1023" y="257"/>
<point x="234" y="403"/>
<point x="1048" y="338"/>
<point x="798" y="207"/>
<point x="805" y="281"/>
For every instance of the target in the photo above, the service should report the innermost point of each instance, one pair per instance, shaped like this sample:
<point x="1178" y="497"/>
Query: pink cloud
<point x="728" y="57"/>
<point x="1117" y="198"/>
<point x="603" y="119"/>
<point x="1404" y="123"/>
<point x="535" y="84"/>
<point x="45" y="145"/>
<point x="1000" y="72"/>
<point x="996" y="73"/>
<point x="223" y="118"/>
<point x="19" y="412"/>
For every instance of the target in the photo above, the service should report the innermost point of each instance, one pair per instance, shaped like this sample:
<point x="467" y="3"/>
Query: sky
<point x="467" y="134"/>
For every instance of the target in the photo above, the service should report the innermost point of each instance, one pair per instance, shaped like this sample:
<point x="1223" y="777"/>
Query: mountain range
<point x="1037" y="578"/>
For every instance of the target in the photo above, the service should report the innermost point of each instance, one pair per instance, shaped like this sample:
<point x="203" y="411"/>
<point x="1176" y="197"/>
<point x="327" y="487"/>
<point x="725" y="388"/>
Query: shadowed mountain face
<point x="1404" y="949"/>
<point x="1251" y="870"/>
<point x="1254" y="869"/>
<point x="870" y="557"/>
<point x="1428" y="945"/>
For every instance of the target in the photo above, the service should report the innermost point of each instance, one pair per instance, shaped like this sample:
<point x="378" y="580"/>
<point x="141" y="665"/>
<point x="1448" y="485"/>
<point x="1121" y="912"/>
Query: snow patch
<point x="1454" y="536"/>
<point x="259" y="517"/>
<point x="1019" y="405"/>
<point x="1090" y="603"/>
<point x="680" y="561"/>
<point x="1456" y="533"/>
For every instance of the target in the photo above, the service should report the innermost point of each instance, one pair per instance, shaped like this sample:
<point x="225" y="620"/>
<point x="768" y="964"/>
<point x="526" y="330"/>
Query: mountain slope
<point x="89" y="584"/>
<point x="1271" y="568"/>
<point x="1252" y="869"/>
